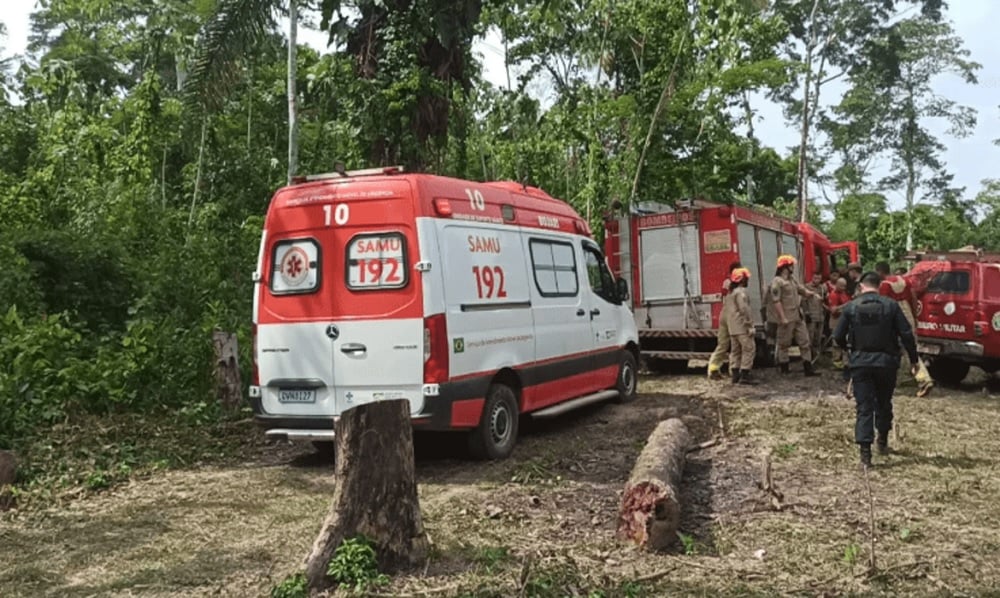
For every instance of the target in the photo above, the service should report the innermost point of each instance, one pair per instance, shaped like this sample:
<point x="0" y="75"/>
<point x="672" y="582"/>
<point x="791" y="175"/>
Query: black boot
<point x="882" y="444"/>
<point x="866" y="456"/>
<point x="736" y="376"/>
<point x="783" y="367"/>
<point x="809" y="369"/>
<point x="746" y="378"/>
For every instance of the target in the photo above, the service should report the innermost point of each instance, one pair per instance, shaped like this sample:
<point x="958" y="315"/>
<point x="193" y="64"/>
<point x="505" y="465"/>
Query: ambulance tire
<point x="496" y="434"/>
<point x="628" y="378"/>
<point x="325" y="448"/>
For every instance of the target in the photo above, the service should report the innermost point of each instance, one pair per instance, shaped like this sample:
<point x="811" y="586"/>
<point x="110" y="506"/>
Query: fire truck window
<point x="554" y="266"/>
<point x="601" y="281"/>
<point x="955" y="282"/>
<point x="991" y="281"/>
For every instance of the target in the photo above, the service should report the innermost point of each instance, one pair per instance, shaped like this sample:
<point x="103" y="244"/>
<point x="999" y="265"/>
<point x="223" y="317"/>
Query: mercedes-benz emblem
<point x="333" y="332"/>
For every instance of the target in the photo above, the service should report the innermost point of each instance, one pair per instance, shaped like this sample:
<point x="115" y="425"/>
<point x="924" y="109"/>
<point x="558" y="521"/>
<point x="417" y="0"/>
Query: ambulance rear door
<point x="341" y="314"/>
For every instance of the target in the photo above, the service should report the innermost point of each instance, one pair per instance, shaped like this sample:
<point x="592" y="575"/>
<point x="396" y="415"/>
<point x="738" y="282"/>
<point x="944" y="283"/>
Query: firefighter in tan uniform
<point x="786" y="296"/>
<point x="722" y="344"/>
<point x="816" y="312"/>
<point x="741" y="328"/>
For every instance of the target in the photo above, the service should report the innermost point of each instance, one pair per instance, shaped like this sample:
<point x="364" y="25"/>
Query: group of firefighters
<point x="804" y="315"/>
<point x="871" y="314"/>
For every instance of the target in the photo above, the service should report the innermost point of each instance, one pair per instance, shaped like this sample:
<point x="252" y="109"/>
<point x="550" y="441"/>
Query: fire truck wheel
<point x="496" y="434"/>
<point x="948" y="371"/>
<point x="628" y="379"/>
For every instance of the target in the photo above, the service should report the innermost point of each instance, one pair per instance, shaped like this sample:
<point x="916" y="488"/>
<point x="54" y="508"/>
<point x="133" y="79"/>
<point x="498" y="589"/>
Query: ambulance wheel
<point x="496" y="433"/>
<point x="628" y="378"/>
<point x="948" y="371"/>
<point x="325" y="448"/>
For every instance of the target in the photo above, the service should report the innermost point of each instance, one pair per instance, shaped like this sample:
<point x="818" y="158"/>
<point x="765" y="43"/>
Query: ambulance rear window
<point x="955" y="282"/>
<point x="296" y="267"/>
<point x="376" y="261"/>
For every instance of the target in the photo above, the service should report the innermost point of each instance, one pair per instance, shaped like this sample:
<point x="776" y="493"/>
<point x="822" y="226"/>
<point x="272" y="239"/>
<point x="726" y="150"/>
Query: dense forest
<point x="142" y="140"/>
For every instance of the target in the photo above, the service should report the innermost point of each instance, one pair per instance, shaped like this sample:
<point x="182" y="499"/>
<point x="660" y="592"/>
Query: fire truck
<point x="676" y="258"/>
<point x="958" y="311"/>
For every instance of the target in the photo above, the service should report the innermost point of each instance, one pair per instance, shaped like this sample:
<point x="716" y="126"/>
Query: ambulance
<point x="475" y="302"/>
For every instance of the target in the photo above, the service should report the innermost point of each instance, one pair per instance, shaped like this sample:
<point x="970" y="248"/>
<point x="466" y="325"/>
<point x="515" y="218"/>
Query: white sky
<point x="970" y="159"/>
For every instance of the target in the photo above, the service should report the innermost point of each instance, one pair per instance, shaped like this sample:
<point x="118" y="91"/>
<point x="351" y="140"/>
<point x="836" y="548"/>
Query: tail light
<point x="255" y="373"/>
<point x="435" y="349"/>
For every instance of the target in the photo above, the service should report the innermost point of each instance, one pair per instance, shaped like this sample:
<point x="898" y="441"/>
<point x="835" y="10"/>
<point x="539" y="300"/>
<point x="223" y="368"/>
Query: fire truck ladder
<point x="690" y="311"/>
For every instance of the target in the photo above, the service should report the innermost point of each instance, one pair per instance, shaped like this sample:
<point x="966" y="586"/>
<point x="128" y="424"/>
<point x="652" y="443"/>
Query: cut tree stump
<point x="8" y="475"/>
<point x="227" y="370"/>
<point x="650" y="510"/>
<point x="376" y="492"/>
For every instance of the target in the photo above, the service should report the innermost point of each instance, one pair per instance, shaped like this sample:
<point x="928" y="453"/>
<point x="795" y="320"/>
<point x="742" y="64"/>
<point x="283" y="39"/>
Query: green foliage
<point x="354" y="565"/>
<point x="293" y="586"/>
<point x="851" y="553"/>
<point x="688" y="542"/>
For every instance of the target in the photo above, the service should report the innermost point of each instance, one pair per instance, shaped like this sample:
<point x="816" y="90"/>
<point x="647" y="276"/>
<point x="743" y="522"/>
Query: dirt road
<point x="542" y="523"/>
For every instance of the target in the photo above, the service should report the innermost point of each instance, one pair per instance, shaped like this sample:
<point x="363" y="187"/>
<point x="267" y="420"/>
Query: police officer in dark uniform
<point x="871" y="329"/>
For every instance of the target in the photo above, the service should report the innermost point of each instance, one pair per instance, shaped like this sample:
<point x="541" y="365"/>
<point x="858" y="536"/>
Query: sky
<point x="970" y="159"/>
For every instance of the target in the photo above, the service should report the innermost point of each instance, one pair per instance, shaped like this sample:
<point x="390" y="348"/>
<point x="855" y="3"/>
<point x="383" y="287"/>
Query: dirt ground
<point x="542" y="522"/>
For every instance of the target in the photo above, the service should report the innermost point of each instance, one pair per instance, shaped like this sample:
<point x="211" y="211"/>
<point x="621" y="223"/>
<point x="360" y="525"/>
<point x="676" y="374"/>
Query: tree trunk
<point x="803" y="170"/>
<point x="650" y="509"/>
<point x="197" y="176"/>
<point x="8" y="475"/>
<point x="227" y="370"/>
<point x="293" y="120"/>
<point x="376" y="493"/>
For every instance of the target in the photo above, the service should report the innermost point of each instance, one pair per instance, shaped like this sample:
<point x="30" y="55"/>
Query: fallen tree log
<point x="650" y="508"/>
<point x="376" y="492"/>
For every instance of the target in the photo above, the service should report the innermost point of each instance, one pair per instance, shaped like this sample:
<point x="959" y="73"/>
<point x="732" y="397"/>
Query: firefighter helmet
<point x="739" y="275"/>
<point x="785" y="260"/>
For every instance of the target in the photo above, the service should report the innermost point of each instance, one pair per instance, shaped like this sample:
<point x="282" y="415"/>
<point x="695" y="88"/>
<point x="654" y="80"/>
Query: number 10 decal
<point x="341" y="213"/>
<point x="489" y="282"/>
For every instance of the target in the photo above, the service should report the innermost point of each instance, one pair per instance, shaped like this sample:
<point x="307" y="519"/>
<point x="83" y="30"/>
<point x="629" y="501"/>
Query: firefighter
<point x="873" y="327"/>
<point x="815" y="312"/>
<point x="786" y="295"/>
<point x="741" y="328"/>
<point x="722" y="344"/>
<point x="901" y="290"/>
<point x="835" y="302"/>
<point x="853" y="276"/>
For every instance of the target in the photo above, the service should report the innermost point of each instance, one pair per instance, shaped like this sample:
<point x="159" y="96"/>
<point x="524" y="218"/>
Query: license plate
<point x="296" y="396"/>
<point x="928" y="349"/>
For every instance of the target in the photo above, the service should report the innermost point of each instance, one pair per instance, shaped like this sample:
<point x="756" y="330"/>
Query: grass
<point x="232" y="526"/>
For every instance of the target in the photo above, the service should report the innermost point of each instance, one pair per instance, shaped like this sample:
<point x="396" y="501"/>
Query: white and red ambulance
<point x="476" y="302"/>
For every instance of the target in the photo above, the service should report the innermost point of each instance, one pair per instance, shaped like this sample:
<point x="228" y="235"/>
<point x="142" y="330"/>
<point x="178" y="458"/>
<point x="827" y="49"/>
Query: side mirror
<point x="622" y="287"/>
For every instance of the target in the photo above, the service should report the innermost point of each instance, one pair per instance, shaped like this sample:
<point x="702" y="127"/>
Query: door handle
<point x="580" y="312"/>
<point x="594" y="312"/>
<point x="353" y="348"/>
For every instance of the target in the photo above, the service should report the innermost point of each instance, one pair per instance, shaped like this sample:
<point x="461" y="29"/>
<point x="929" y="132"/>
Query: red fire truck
<point x="676" y="258"/>
<point x="958" y="313"/>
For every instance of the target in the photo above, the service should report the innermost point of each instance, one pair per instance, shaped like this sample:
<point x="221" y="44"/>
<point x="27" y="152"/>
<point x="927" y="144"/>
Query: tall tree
<point x="828" y="40"/>
<point x="894" y="101"/>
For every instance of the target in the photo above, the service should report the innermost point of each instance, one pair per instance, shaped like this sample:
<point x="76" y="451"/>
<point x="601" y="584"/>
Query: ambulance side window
<point x="601" y="280"/>
<point x="554" y="267"/>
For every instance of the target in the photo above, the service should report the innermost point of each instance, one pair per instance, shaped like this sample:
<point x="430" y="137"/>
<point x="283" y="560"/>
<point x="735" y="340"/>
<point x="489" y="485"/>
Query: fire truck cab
<point x="677" y="257"/>
<point x="958" y="313"/>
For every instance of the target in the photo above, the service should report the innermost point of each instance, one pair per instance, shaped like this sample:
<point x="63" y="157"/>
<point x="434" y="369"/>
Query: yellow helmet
<point x="786" y="260"/>
<point x="739" y="275"/>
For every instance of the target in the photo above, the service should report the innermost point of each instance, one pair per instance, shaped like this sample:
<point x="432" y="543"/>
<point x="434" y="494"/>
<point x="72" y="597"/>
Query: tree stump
<point x="376" y="493"/>
<point x="227" y="370"/>
<point x="650" y="509"/>
<point x="8" y="475"/>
